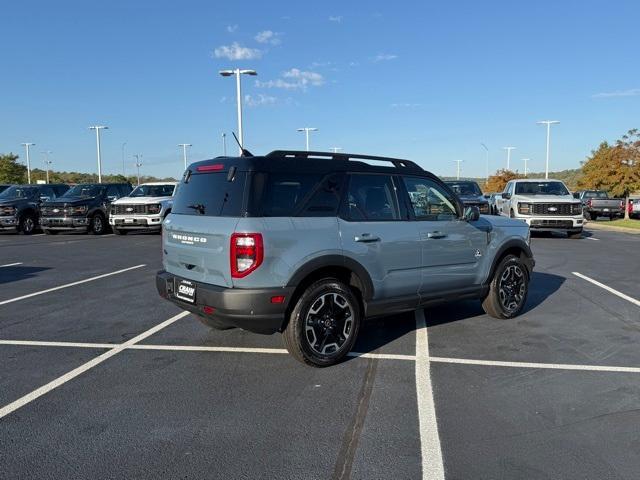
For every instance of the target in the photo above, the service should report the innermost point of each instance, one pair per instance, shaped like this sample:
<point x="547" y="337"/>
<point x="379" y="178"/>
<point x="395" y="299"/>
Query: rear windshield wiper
<point x="197" y="207"/>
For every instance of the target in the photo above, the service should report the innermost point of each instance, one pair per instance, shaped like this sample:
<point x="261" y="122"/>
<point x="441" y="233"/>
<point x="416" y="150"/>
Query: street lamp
<point x="138" y="164"/>
<point x="26" y="146"/>
<point x="237" y="72"/>
<point x="548" y="123"/>
<point x="47" y="162"/>
<point x="336" y="149"/>
<point x="184" y="152"/>
<point x="487" y="150"/>
<point x="97" y="128"/>
<point x="508" y="149"/>
<point x="224" y="144"/>
<point x="458" y="168"/>
<point x="526" y="162"/>
<point x="306" y="131"/>
<point x="124" y="144"/>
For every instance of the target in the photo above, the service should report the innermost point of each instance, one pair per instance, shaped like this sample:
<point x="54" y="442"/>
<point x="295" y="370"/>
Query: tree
<point x="10" y="170"/>
<point x="496" y="182"/>
<point x="615" y="168"/>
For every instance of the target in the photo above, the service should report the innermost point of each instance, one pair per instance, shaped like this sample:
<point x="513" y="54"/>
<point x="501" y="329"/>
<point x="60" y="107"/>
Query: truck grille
<point x="124" y="209"/>
<point x="560" y="209"/>
<point x="62" y="211"/>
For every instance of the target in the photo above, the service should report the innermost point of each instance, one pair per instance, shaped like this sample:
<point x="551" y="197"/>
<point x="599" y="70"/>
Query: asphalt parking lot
<point x="101" y="378"/>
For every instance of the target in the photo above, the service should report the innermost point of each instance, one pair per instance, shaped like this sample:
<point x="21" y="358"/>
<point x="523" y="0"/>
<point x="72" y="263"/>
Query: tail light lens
<point x="247" y="252"/>
<point x="589" y="203"/>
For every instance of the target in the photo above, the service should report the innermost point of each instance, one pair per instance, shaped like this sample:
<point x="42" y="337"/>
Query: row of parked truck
<point x="88" y="207"/>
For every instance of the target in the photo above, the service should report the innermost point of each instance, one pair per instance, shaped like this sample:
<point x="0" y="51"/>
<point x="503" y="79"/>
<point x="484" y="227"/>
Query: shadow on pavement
<point x="19" y="272"/>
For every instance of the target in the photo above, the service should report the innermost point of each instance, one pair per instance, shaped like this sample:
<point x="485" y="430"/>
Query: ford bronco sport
<point x="311" y="243"/>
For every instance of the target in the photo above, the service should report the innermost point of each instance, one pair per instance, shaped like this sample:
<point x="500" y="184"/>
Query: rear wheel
<point x="508" y="289"/>
<point x="27" y="224"/>
<point x="97" y="224"/>
<point x="324" y="324"/>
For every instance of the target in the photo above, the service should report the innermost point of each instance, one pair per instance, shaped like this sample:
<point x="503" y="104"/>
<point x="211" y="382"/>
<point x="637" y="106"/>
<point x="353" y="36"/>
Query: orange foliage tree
<point x="496" y="182"/>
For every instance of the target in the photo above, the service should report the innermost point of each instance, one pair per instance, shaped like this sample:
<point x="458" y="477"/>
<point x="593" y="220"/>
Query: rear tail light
<point x="247" y="252"/>
<point x="589" y="203"/>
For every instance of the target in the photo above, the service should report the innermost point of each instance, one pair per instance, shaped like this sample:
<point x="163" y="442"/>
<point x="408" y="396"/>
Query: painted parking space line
<point x="431" y="451"/>
<point x="37" y="343"/>
<point x="542" y="366"/>
<point x="30" y="397"/>
<point x="591" y="238"/>
<point x="607" y="288"/>
<point x="67" y="285"/>
<point x="11" y="264"/>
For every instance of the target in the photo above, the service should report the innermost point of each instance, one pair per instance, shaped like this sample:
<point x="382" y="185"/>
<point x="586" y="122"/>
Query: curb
<point x="612" y="228"/>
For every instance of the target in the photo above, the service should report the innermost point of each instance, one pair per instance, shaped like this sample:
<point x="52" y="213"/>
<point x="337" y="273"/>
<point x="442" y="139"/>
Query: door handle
<point x="366" y="238"/>
<point x="436" y="235"/>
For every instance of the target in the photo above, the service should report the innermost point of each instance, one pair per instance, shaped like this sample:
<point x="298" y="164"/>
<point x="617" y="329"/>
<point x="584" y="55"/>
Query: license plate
<point x="606" y="209"/>
<point x="186" y="291"/>
<point x="129" y="220"/>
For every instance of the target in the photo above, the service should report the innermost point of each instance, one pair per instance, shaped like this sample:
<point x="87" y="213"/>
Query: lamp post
<point x="548" y="123"/>
<point x="138" y="157"/>
<point x="184" y="152"/>
<point x="237" y="72"/>
<point x="47" y="162"/>
<point x="458" y="162"/>
<point x="336" y="149"/>
<point x="306" y="131"/>
<point x="487" y="161"/>
<point x="224" y="144"/>
<point x="526" y="162"/>
<point x="97" y="128"/>
<point x="123" y="167"/>
<point x="508" y="149"/>
<point x="26" y="146"/>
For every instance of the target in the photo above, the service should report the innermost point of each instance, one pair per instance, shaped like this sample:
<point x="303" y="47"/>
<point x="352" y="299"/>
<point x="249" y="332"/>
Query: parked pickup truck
<point x="143" y="209"/>
<point x="596" y="203"/>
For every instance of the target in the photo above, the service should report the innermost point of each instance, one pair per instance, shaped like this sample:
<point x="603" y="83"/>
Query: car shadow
<point x="19" y="272"/>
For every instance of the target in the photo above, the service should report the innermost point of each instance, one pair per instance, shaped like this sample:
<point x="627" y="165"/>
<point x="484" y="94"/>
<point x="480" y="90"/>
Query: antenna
<point x="245" y="153"/>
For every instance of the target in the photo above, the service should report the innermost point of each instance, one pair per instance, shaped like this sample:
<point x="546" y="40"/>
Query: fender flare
<point x="510" y="244"/>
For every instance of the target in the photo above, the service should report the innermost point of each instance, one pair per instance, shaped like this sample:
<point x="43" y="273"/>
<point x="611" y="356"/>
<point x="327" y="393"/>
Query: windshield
<point x="465" y="188"/>
<point x="19" y="192"/>
<point x="596" y="194"/>
<point x="153" y="191"/>
<point x="84" y="191"/>
<point x="541" y="188"/>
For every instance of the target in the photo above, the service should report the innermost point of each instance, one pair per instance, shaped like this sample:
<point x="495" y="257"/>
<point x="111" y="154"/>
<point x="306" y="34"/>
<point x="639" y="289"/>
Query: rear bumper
<point x="64" y="223"/>
<point x="249" y="309"/>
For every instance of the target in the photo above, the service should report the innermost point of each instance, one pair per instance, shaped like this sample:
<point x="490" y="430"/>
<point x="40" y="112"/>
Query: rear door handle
<point x="436" y="235"/>
<point x="366" y="238"/>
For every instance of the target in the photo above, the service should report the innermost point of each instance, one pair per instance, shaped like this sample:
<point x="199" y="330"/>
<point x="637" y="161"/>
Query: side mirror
<point x="44" y="199"/>
<point x="487" y="196"/>
<point x="112" y="198"/>
<point x="471" y="214"/>
<point x="506" y="196"/>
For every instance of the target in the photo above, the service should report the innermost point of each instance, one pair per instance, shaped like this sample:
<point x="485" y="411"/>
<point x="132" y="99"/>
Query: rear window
<point x="210" y="194"/>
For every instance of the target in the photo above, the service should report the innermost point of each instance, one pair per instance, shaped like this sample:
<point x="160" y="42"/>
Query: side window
<point x="325" y="200"/>
<point x="47" y="192"/>
<point x="429" y="200"/>
<point x="286" y="191"/>
<point x="371" y="197"/>
<point x="113" y="192"/>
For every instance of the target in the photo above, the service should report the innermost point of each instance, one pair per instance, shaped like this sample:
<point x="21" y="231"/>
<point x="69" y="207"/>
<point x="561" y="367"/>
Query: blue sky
<point x="428" y="81"/>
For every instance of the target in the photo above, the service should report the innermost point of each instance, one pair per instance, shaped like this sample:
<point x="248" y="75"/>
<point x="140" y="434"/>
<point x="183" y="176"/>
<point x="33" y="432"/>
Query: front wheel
<point x="324" y="324"/>
<point x="508" y="289"/>
<point x="27" y="224"/>
<point x="97" y="225"/>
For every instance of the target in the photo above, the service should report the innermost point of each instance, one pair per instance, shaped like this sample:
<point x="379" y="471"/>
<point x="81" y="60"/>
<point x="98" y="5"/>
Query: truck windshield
<point x="465" y="188"/>
<point x="19" y="192"/>
<point x="84" y="191"/>
<point x="153" y="191"/>
<point x="541" y="188"/>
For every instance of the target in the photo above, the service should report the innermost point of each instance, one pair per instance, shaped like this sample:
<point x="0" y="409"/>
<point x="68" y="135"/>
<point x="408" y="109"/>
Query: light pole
<point x="306" y="131"/>
<point x="336" y="149"/>
<point x="508" y="149"/>
<point x="184" y="152"/>
<point x="526" y="162"/>
<point x="237" y="72"/>
<point x="548" y="123"/>
<point x="97" y="128"/>
<point x="26" y="146"/>
<point x="124" y="174"/>
<point x="487" y="151"/>
<point x="138" y="164"/>
<point x="458" y="168"/>
<point x="224" y="144"/>
<point x="47" y="162"/>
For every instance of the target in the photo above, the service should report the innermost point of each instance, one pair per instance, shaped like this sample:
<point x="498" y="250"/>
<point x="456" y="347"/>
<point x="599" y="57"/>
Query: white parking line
<point x="30" y="343"/>
<point x="549" y="366"/>
<point x="30" y="397"/>
<point x="48" y="290"/>
<point x="591" y="238"/>
<point x="608" y="289"/>
<point x="11" y="264"/>
<point x="432" y="466"/>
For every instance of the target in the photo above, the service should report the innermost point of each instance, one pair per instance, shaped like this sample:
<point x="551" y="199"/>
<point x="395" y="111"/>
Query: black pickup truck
<point x="470" y="194"/>
<point x="596" y="203"/>
<point x="84" y="207"/>
<point x="20" y="205"/>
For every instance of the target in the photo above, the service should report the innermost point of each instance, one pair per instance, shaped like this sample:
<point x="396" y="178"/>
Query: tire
<point x="575" y="235"/>
<point x="27" y="224"/>
<point x="508" y="289"/>
<point x="327" y="311"/>
<point x="214" y="323"/>
<point x="588" y="216"/>
<point x="117" y="231"/>
<point x="97" y="224"/>
<point x="49" y="232"/>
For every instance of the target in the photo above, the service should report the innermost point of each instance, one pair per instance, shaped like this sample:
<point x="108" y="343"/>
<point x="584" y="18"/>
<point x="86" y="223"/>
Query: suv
<point x="470" y="194"/>
<point x="143" y="209"/>
<point x="311" y="243"/>
<point x="20" y="205"/>
<point x="83" y="207"/>
<point x="546" y="205"/>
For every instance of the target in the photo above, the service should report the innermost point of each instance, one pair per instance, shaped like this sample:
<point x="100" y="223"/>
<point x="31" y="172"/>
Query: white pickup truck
<point x="144" y="208"/>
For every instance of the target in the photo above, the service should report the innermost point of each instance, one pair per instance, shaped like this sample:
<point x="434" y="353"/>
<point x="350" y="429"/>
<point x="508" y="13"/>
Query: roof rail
<point x="397" y="162"/>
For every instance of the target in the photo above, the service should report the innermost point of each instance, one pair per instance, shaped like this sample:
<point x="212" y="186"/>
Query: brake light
<point x="216" y="167"/>
<point x="247" y="252"/>
<point x="589" y="203"/>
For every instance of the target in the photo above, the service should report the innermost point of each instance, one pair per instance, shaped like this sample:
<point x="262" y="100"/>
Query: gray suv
<point x="311" y="243"/>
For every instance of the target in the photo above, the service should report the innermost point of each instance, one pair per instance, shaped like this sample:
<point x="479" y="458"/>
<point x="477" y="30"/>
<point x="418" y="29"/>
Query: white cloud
<point x="232" y="28"/>
<point x="259" y="101"/>
<point x="294" y="79"/>
<point x="383" y="57"/>
<point x="335" y="18"/>
<point x="632" y="92"/>
<point x="268" y="36"/>
<point x="237" y="52"/>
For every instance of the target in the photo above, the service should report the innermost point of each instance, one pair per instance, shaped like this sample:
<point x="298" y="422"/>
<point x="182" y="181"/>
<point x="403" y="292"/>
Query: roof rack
<point x="397" y="162"/>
